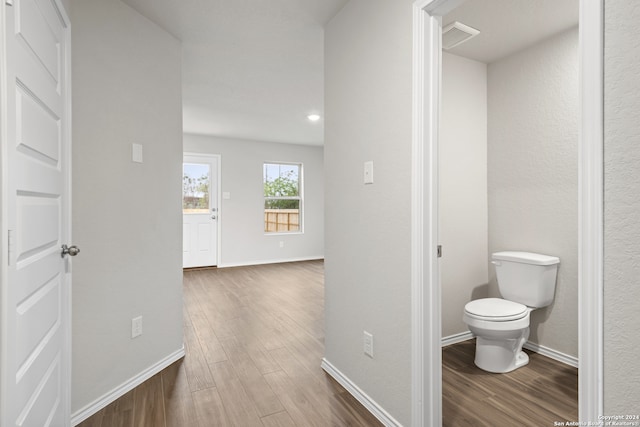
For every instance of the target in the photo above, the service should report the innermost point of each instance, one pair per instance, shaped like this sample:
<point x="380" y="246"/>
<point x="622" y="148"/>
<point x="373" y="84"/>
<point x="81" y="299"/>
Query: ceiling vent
<point x="456" y="33"/>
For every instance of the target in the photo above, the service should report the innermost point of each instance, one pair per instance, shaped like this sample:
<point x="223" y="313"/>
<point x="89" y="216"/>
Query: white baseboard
<point x="552" y="354"/>
<point x="383" y="416"/>
<point x="456" y="338"/>
<point x="272" y="261"/>
<point x="536" y="348"/>
<point x="84" y="413"/>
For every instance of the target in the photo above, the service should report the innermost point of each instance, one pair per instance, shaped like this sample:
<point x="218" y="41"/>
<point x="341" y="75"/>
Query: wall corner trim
<point x="383" y="416"/>
<point x="100" y="403"/>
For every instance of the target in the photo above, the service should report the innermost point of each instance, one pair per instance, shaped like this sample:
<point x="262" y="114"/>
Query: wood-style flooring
<point x="538" y="394"/>
<point x="254" y="342"/>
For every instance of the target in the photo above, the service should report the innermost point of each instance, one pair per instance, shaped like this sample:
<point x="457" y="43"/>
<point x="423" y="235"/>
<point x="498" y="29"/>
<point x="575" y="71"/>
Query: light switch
<point x="226" y="195"/>
<point x="368" y="172"/>
<point x="136" y="153"/>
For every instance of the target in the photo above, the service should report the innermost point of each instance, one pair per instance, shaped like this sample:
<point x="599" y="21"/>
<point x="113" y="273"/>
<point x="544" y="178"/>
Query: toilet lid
<point x="496" y="309"/>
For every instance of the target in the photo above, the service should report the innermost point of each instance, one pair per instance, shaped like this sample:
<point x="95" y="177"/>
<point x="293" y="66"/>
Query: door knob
<point x="214" y="217"/>
<point x="69" y="250"/>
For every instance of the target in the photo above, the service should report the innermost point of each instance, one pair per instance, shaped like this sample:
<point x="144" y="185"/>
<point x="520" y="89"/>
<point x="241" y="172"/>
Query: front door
<point x="35" y="95"/>
<point x="200" y="211"/>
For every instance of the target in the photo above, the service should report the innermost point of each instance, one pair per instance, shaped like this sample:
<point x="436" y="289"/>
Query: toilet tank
<point x="526" y="277"/>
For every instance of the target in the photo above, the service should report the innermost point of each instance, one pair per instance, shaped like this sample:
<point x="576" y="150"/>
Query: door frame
<point x="426" y="355"/>
<point x="218" y="158"/>
<point x="66" y="220"/>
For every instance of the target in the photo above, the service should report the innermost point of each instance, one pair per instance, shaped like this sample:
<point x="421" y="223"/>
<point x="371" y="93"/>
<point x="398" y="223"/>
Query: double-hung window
<point x="282" y="184"/>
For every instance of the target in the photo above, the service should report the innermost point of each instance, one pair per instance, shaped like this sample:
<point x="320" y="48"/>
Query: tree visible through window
<point x="282" y="197"/>
<point x="195" y="188"/>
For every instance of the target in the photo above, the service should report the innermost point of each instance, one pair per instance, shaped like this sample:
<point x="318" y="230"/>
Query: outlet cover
<point x="136" y="327"/>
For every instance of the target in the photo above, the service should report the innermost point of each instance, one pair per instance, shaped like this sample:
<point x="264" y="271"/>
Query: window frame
<point x="299" y="197"/>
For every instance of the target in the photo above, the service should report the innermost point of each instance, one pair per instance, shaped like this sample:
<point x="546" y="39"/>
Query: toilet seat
<point x="495" y="310"/>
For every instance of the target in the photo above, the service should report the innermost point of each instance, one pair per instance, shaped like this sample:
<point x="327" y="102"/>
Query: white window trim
<point x="300" y="196"/>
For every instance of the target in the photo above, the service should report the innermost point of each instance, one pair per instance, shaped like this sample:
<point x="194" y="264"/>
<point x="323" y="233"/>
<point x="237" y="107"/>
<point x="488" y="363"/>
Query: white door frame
<point x="218" y="178"/>
<point x="426" y="356"/>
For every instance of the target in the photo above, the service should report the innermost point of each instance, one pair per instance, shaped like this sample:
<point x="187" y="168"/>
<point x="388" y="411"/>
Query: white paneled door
<point x="35" y="310"/>
<point x="200" y="210"/>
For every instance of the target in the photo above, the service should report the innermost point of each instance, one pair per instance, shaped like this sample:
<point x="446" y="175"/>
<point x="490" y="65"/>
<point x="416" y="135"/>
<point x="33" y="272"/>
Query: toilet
<point x="501" y="325"/>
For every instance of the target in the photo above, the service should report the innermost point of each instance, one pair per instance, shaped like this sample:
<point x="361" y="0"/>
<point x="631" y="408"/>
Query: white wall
<point x="368" y="98"/>
<point x="533" y="122"/>
<point x="463" y="188"/>
<point x="243" y="240"/>
<point x="622" y="208"/>
<point x="126" y="216"/>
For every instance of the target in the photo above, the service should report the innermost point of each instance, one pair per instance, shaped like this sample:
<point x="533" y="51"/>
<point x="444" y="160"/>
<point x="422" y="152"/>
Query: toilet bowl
<point x="501" y="325"/>
<point x="501" y="328"/>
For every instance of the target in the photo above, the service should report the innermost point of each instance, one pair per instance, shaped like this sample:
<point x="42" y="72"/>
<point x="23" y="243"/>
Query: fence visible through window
<point x="282" y="197"/>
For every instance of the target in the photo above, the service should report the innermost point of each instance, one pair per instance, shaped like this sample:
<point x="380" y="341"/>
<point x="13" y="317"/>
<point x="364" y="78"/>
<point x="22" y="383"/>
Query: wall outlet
<point x="136" y="327"/>
<point x="281" y="244"/>
<point x="368" y="344"/>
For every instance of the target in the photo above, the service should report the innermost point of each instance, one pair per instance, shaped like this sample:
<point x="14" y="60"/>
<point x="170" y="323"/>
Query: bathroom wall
<point x="533" y="124"/>
<point x="622" y="208"/>
<point x="242" y="238"/>
<point x="463" y="188"/>
<point x="368" y="98"/>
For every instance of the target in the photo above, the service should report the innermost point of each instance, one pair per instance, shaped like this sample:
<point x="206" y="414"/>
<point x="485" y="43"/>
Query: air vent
<point x="456" y="33"/>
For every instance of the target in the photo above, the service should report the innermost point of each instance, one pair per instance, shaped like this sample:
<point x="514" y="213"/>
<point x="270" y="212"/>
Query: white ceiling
<point x="251" y="69"/>
<point x="507" y="26"/>
<point x="255" y="69"/>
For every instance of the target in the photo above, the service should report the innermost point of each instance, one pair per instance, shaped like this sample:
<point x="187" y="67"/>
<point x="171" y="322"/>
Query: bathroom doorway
<point x="532" y="152"/>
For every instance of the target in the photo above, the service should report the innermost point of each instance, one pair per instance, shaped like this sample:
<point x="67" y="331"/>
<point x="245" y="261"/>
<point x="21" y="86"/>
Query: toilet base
<point x="500" y="356"/>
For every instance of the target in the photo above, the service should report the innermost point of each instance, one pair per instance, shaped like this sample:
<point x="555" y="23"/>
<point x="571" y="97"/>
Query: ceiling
<point x="251" y="69"/>
<point x="254" y="69"/>
<point x="507" y="26"/>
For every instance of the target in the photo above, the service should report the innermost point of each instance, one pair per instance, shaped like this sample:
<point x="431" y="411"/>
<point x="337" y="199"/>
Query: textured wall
<point x="127" y="216"/>
<point x="243" y="240"/>
<point x="463" y="188"/>
<point x="622" y="208"/>
<point x="533" y="124"/>
<point x="368" y="97"/>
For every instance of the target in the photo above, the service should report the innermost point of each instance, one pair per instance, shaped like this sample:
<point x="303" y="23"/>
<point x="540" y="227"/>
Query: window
<point x="282" y="184"/>
<point x="195" y="188"/>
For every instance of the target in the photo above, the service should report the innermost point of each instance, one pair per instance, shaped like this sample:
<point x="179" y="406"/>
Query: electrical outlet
<point x="368" y="344"/>
<point x="136" y="327"/>
<point x="281" y="244"/>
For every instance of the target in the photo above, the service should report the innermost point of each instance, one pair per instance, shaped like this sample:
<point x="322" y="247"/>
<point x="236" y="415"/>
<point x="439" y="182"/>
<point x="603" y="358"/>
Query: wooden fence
<point x="281" y="220"/>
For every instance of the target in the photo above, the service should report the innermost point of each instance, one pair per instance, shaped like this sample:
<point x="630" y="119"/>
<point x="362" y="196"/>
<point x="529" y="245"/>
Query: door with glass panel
<point x="200" y="210"/>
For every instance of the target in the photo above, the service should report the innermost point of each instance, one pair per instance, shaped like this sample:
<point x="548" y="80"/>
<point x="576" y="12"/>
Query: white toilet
<point x="526" y="281"/>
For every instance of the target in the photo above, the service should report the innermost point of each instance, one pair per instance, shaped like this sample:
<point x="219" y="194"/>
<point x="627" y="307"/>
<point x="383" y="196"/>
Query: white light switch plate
<point x="136" y="153"/>
<point x="368" y="172"/>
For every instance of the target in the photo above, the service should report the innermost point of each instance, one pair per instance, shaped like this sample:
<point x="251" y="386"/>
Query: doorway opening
<point x="426" y="287"/>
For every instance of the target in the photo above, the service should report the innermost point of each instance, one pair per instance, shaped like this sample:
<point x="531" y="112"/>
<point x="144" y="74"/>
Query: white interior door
<point x="200" y="210"/>
<point x="36" y="287"/>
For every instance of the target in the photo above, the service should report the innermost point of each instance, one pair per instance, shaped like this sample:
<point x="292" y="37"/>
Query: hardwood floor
<point x="537" y="394"/>
<point x="254" y="341"/>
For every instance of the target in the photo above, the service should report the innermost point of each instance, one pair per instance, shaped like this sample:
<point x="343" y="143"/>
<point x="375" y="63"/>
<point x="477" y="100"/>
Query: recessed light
<point x="313" y="117"/>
